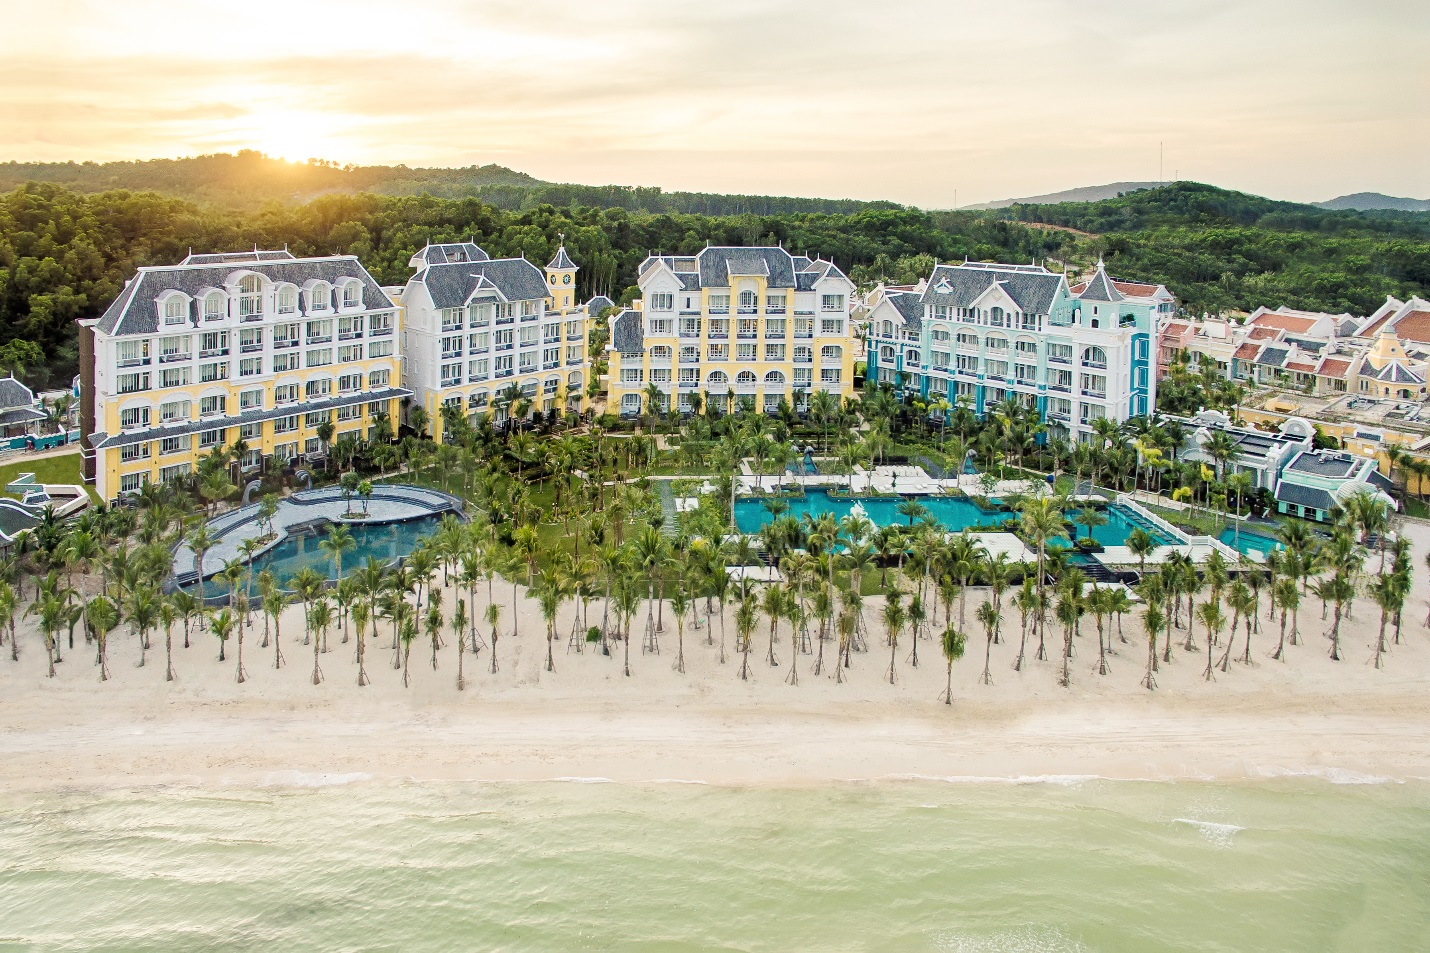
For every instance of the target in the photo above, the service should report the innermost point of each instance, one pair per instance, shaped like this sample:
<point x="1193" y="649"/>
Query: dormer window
<point x="318" y="297"/>
<point x="287" y="300"/>
<point x="250" y="296"/>
<point x="213" y="307"/>
<point x="176" y="309"/>
<point x="352" y="294"/>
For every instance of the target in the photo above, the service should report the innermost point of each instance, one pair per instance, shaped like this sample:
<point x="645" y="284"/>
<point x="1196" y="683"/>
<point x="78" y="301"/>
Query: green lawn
<point x="64" y="468"/>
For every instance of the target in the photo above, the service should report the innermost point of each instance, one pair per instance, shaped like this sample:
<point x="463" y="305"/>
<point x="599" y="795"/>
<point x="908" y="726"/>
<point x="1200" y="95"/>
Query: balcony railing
<point x="505" y="347"/>
<point x="804" y="335"/>
<point x="574" y="336"/>
<point x="1053" y="359"/>
<point x="1060" y="388"/>
<point x="1098" y="365"/>
<point x="381" y="332"/>
<point x="349" y="335"/>
<point x="550" y="365"/>
<point x="501" y="374"/>
<point x="250" y="348"/>
<point x="573" y="362"/>
<point x="1099" y="394"/>
<point x="214" y="352"/>
<point x="172" y="358"/>
<point x="325" y="339"/>
<point x="746" y="335"/>
<point x="280" y="345"/>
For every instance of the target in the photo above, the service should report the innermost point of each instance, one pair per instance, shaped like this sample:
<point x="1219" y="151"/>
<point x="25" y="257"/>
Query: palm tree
<point x="1041" y="522"/>
<point x="1210" y="614"/>
<point x="102" y="616"/>
<point x="952" y="643"/>
<point x="274" y="601"/>
<point x="894" y="623"/>
<point x="201" y="539"/>
<point x="679" y="605"/>
<point x="774" y="607"/>
<point x="320" y="616"/>
<point x="745" y="617"/>
<point x="493" y="617"/>
<point x="221" y="625"/>
<point x="1153" y="619"/>
<point x="989" y="616"/>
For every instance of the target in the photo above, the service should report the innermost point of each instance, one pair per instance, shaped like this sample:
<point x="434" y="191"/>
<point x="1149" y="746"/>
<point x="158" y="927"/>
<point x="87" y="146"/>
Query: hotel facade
<point x="980" y="333"/>
<point x="474" y="326"/>
<point x="733" y="323"/>
<point x="255" y="347"/>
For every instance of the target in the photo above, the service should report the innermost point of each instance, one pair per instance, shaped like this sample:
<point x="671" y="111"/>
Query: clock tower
<point x="561" y="280"/>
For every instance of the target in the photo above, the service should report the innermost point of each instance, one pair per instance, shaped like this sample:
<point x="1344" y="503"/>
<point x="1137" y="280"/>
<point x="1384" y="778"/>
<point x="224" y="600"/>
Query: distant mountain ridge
<point x="1374" y="201"/>
<point x="1088" y="193"/>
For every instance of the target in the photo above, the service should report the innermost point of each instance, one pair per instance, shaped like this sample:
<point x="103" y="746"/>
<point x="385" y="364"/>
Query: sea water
<point x="1059" y="864"/>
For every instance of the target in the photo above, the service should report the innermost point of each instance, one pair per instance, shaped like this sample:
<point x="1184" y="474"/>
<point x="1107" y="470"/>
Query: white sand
<point x="1345" y="721"/>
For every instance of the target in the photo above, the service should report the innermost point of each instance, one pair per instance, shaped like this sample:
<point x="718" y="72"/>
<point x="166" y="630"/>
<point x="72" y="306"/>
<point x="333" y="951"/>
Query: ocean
<point x="1060" y="864"/>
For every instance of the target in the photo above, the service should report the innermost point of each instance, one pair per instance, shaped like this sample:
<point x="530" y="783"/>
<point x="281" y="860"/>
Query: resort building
<point x="1315" y="481"/>
<point x="756" y="324"/>
<point x="1259" y="453"/>
<point x="255" y="349"/>
<point x="479" y="331"/>
<point x="980" y="333"/>
<point x="21" y="413"/>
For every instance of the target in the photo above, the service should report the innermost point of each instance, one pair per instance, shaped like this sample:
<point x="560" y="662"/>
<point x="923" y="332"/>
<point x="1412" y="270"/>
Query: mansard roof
<point x="448" y="252"/>
<point x="136" y="310"/>
<point x="451" y="286"/>
<point x="1099" y="287"/>
<point x="628" y="332"/>
<point x="562" y="260"/>
<point x="720" y="266"/>
<point x="235" y="257"/>
<point x="1033" y="289"/>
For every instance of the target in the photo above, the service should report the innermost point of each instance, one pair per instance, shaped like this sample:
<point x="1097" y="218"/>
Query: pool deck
<point x="903" y="480"/>
<point x="390" y="503"/>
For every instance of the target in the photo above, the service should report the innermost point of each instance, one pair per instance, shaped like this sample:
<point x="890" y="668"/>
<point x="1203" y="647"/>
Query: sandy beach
<point x="1342" y="720"/>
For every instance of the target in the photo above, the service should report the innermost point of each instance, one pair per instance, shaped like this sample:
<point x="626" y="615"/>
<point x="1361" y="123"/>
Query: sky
<point x="934" y="103"/>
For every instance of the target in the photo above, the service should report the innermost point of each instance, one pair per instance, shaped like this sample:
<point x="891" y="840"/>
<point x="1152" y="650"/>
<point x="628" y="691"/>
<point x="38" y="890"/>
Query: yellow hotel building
<point x="734" y="323"/>
<point x="255" y="346"/>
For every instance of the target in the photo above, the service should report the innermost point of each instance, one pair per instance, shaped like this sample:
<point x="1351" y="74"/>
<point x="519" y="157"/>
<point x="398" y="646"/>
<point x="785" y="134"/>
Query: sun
<point x="297" y="137"/>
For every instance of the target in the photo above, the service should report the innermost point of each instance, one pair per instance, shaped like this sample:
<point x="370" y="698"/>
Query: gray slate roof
<point x="14" y="394"/>
<point x="1287" y="492"/>
<point x="714" y="267"/>
<point x="447" y="253"/>
<point x="1379" y="480"/>
<point x="21" y="415"/>
<point x="598" y="304"/>
<point x="628" y="332"/>
<point x="1034" y="291"/>
<point x="911" y="307"/>
<point x="1100" y="288"/>
<point x="452" y="285"/>
<point x="1397" y="373"/>
<point x="562" y="260"/>
<point x="1272" y="356"/>
<point x="136" y="310"/>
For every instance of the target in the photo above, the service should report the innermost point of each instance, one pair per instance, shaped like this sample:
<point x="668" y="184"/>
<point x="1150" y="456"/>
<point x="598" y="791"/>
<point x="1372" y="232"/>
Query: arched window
<point x="1094" y="357"/>
<point x="745" y="377"/>
<point x="213" y="306"/>
<point x="1027" y="347"/>
<point x="352" y="294"/>
<point x="775" y="379"/>
<point x="287" y="299"/>
<point x="660" y="353"/>
<point x="911" y="356"/>
<point x="887" y="330"/>
<point x="996" y="342"/>
<point x="319" y="297"/>
<point x="833" y="352"/>
<point x="718" y="380"/>
<point x="940" y="333"/>
<point x="477" y="400"/>
<point x="175" y="310"/>
<point x="886" y="354"/>
<point x="574" y="380"/>
<point x="250" y="296"/>
<point x="995" y="317"/>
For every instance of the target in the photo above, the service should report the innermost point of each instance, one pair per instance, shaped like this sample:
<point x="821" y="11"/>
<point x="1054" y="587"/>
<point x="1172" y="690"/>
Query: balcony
<point x="172" y="358"/>
<point x="747" y="335"/>
<point x="213" y="352"/>
<point x="529" y="317"/>
<point x="774" y="311"/>
<point x="573" y="362"/>
<point x="505" y="347"/>
<point x="349" y="335"/>
<point x="1060" y="388"/>
<point x="719" y="310"/>
<point x="135" y="362"/>
<point x="476" y="378"/>
<point x="1099" y="394"/>
<point x="506" y="320"/>
<point x="1059" y="360"/>
<point x="280" y="345"/>
<point x="804" y="358"/>
<point x="1059" y="415"/>
<point x="686" y="333"/>
<point x="689" y="385"/>
<point x="1095" y="365"/>
<point x="250" y="348"/>
<point x="550" y="365"/>
<point x="775" y="335"/>
<point x="325" y="339"/>
<point x="804" y="335"/>
<point x="747" y="310"/>
<point x="574" y="336"/>
<point x="451" y="355"/>
<point x="501" y="374"/>
<point x="381" y="332"/>
<point x="719" y="335"/>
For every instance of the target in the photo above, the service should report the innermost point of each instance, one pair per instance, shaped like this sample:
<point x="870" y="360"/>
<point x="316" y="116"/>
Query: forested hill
<point x="249" y="180"/>
<point x="65" y="254"/>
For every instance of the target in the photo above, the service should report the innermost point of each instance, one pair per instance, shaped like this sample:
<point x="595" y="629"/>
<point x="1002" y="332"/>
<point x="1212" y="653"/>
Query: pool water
<point x="386" y="543"/>
<point x="1249" y="542"/>
<point x="955" y="514"/>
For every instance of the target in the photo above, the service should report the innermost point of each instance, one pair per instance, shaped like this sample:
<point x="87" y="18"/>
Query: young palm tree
<point x="952" y="644"/>
<point x="361" y="614"/>
<point x="493" y="617"/>
<point x="745" y="618"/>
<point x="407" y="635"/>
<point x="320" y="616"/>
<point x="988" y="615"/>
<point x="774" y="606"/>
<point x="168" y="615"/>
<point x="102" y="616"/>
<point x="679" y="605"/>
<point x="221" y="625"/>
<point x="433" y="623"/>
<point x="894" y="618"/>
<point x="459" y="633"/>
<point x="1154" y="620"/>
<point x="1210" y="614"/>
<point x="1025" y="600"/>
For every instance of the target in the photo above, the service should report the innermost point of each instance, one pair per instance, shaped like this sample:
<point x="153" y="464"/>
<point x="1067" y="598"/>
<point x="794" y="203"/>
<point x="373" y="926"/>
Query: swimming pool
<point x="386" y="543"/>
<point x="955" y="514"/>
<point x="1249" y="542"/>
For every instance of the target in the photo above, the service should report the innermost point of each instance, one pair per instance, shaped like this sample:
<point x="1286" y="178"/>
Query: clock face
<point x="567" y="279"/>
